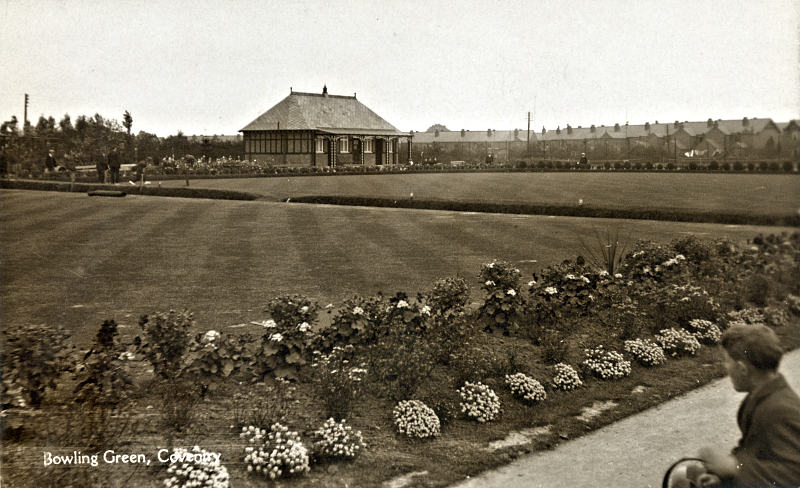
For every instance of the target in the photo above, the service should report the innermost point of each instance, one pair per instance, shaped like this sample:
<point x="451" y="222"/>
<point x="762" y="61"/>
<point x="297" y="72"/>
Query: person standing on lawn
<point x="768" y="453"/>
<point x="113" y="166"/>
<point x="50" y="162"/>
<point x="102" y="167"/>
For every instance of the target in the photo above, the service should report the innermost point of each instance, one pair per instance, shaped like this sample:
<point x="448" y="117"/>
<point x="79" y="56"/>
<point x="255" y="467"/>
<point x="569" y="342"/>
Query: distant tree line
<point x="90" y="138"/>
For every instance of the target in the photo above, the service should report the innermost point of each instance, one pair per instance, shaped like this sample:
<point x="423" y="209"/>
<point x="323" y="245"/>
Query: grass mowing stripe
<point x="328" y="250"/>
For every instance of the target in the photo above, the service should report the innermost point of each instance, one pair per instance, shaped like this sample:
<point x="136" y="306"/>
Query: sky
<point x="211" y="67"/>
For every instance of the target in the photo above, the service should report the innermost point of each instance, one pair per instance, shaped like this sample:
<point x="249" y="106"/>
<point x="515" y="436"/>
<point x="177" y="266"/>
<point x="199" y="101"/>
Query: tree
<point x="439" y="127"/>
<point x="127" y="121"/>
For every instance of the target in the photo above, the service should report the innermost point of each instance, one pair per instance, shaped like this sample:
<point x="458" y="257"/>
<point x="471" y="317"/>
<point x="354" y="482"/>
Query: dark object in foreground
<point x="106" y="193"/>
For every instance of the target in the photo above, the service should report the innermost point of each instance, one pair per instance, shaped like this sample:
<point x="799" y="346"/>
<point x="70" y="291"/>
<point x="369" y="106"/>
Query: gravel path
<point x="635" y="452"/>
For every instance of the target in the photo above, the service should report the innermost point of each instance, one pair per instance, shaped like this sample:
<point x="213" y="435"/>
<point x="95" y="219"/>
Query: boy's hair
<point x="757" y="344"/>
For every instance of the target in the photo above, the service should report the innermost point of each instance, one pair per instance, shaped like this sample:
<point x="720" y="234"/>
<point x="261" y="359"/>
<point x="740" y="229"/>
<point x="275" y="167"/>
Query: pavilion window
<point x="344" y="145"/>
<point x="320" y="145"/>
<point x="369" y="145"/>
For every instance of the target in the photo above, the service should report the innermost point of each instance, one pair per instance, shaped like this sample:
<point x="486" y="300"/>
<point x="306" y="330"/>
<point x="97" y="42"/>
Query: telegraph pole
<point x="528" y="146"/>
<point x="25" y="118"/>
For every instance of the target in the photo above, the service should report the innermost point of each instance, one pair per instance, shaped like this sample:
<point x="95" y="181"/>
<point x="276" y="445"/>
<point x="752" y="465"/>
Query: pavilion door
<point x="379" y="149"/>
<point x="355" y="150"/>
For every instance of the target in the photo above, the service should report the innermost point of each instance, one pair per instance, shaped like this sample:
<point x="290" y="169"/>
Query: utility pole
<point x="25" y="118"/>
<point x="528" y="146"/>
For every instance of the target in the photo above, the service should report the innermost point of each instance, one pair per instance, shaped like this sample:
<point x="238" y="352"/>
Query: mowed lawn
<point x="74" y="260"/>
<point x="753" y="194"/>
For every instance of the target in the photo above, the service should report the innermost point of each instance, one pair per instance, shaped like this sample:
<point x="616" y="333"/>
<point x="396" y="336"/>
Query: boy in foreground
<point x="768" y="453"/>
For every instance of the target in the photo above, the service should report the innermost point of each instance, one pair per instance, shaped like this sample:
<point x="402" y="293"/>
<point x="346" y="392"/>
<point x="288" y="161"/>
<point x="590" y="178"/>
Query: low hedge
<point x="185" y="192"/>
<point x="563" y="210"/>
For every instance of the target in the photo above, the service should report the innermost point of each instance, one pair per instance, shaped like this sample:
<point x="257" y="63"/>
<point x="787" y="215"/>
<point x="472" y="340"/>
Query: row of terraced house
<point x="758" y="138"/>
<point x="319" y="129"/>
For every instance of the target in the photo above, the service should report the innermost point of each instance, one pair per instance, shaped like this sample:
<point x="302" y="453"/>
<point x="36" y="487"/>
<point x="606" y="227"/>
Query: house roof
<point x="320" y="111"/>
<point x="454" y="136"/>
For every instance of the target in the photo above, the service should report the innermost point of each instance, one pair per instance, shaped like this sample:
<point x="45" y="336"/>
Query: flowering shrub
<point x="479" y="402"/>
<point x="706" y="332"/>
<point x="606" y="365"/>
<point x="286" y="345"/>
<point x="359" y="321"/>
<point x="645" y="352"/>
<point x="525" y="387"/>
<point x="565" y="290"/>
<point x="275" y="453"/>
<point x="337" y="440"/>
<point x="166" y="341"/>
<point x="196" y="468"/>
<point x="32" y="365"/>
<point x="747" y="316"/>
<point x="448" y="297"/>
<point x="503" y="301"/>
<point x="566" y="378"/>
<point x="103" y="376"/>
<point x="337" y="381"/>
<point x="677" y="342"/>
<point x="215" y="354"/>
<point x="776" y="316"/>
<point x="649" y="261"/>
<point x="415" y="419"/>
<point x="793" y="302"/>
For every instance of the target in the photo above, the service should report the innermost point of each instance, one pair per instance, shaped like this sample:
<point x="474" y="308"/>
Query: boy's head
<point x="751" y="351"/>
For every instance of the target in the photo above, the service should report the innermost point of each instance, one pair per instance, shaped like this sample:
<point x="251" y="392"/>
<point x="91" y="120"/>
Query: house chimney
<point x="616" y="127"/>
<point x="745" y="122"/>
<point x="516" y="133"/>
<point x="709" y="123"/>
<point x="676" y="124"/>
<point x="324" y="90"/>
<point x="592" y="129"/>
<point x="462" y="132"/>
<point x="436" y="133"/>
<point x="488" y="132"/>
<point x="543" y="130"/>
<point x="558" y="130"/>
<point x="647" y="126"/>
<point x="569" y="129"/>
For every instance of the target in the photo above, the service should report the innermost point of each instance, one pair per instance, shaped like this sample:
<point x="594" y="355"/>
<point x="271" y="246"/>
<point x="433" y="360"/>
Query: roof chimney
<point x="569" y="129"/>
<point x="543" y="130"/>
<point x="516" y="132"/>
<point x="592" y="128"/>
<point x="647" y="126"/>
<point x="436" y="133"/>
<point x="324" y="90"/>
<point x="462" y="132"/>
<point x="676" y="124"/>
<point x="709" y="123"/>
<point x="558" y="130"/>
<point x="745" y="122"/>
<point x="616" y="127"/>
<point x="488" y="132"/>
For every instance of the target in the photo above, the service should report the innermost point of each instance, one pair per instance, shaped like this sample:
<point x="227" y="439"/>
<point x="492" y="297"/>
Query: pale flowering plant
<point x="566" y="378"/>
<point x="215" y="354"/>
<point x="274" y="453"/>
<point x="678" y="342"/>
<point x="645" y="352"/>
<point x="747" y="316"/>
<point x="413" y="418"/>
<point x="793" y="303"/>
<point x="196" y="468"/>
<point x="338" y="379"/>
<point x="525" y="387"/>
<point x="285" y="349"/>
<point x="605" y="364"/>
<point x="705" y="331"/>
<point x="479" y="402"/>
<point x="448" y="296"/>
<point x="503" y="302"/>
<point x="360" y="320"/>
<point x="337" y="440"/>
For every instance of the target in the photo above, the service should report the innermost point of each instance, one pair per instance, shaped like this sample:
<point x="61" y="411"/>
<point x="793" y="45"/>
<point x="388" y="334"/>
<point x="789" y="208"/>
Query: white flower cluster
<point x="304" y="327"/>
<point x="211" y="336"/>
<point x="671" y="262"/>
<point x="126" y="356"/>
<point x="197" y="468"/>
<point x="566" y="378"/>
<point x="748" y="316"/>
<point x="705" y="331"/>
<point x="337" y="440"/>
<point x="646" y="352"/>
<point x="676" y="342"/>
<point x="415" y="419"/>
<point x="606" y="365"/>
<point x="525" y="387"/>
<point x="276" y="452"/>
<point x="479" y="402"/>
<point x="793" y="303"/>
<point x="551" y="290"/>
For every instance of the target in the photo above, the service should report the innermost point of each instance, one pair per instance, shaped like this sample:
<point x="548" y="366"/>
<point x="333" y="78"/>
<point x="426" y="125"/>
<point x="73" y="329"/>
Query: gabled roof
<point x="315" y="111"/>
<point x="454" y="136"/>
<point x="787" y="126"/>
